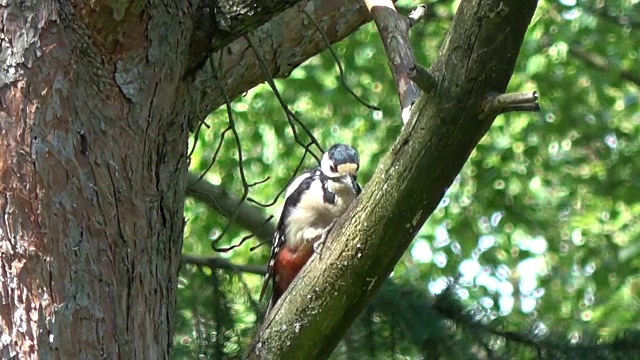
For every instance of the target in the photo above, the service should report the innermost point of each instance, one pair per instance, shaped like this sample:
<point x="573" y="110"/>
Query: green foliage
<point x="539" y="228"/>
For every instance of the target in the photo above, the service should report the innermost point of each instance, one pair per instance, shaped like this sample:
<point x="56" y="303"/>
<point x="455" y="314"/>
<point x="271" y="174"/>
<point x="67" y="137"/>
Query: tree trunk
<point x="93" y="178"/>
<point x="95" y="103"/>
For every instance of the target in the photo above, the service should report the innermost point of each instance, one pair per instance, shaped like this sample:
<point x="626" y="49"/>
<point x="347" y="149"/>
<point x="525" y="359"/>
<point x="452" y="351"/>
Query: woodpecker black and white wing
<point x="278" y="241"/>
<point x="292" y="197"/>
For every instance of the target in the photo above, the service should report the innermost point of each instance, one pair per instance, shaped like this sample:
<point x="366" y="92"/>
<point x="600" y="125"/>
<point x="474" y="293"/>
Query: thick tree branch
<point x="394" y="31"/>
<point x="477" y="59"/>
<point x="216" y="262"/>
<point x="285" y="42"/>
<point x="602" y="64"/>
<point x="218" y="23"/>
<point x="249" y="217"/>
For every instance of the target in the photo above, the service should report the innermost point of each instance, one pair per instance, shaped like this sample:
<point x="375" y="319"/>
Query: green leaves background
<point x="540" y="228"/>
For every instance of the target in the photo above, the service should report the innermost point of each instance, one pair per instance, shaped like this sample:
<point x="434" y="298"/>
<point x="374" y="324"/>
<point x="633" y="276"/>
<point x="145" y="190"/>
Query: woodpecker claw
<point x="318" y="245"/>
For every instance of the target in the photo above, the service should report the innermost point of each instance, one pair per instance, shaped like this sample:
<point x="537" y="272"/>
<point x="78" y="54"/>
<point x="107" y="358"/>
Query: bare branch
<point x="248" y="217"/>
<point x="504" y="103"/>
<point x="224" y="249"/>
<point x="394" y="31"/>
<point x="600" y="63"/>
<point x="196" y="136"/>
<point x="222" y="263"/>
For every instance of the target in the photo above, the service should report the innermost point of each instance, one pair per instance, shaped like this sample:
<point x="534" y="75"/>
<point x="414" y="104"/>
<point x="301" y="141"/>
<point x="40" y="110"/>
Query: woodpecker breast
<point x="323" y="201"/>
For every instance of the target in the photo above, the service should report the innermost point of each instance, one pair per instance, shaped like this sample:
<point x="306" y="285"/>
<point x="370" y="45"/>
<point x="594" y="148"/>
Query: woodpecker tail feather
<point x="273" y="300"/>
<point x="265" y="283"/>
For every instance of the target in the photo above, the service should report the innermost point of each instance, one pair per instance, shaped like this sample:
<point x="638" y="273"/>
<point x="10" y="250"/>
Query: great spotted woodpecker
<point x="313" y="202"/>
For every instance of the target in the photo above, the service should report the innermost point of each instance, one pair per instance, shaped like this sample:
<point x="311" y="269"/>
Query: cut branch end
<point x="418" y="14"/>
<point x="504" y="103"/>
<point x="423" y="78"/>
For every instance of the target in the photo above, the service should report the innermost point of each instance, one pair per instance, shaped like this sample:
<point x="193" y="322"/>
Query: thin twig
<point x="249" y="217"/>
<point x="291" y="117"/>
<point x="196" y="135"/>
<point x="230" y="247"/>
<point x="259" y="182"/>
<point x="295" y="174"/>
<point x="343" y="80"/>
<point x="245" y="184"/>
<point x="216" y="262"/>
<point x="262" y="242"/>
<point x="215" y="155"/>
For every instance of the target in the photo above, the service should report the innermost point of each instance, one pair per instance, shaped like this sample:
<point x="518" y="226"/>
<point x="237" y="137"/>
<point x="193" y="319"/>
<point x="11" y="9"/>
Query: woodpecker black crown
<point x="343" y="154"/>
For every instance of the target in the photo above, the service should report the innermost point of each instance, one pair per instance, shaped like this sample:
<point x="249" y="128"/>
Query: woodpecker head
<point x="340" y="163"/>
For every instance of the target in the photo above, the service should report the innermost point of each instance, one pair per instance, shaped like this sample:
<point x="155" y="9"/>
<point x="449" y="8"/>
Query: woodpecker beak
<point x="348" y="172"/>
<point x="353" y="183"/>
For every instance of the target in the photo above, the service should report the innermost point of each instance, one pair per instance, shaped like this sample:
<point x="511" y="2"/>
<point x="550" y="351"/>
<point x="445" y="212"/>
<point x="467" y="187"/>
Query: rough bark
<point x="95" y="103"/>
<point x="476" y="60"/>
<point x="93" y="178"/>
